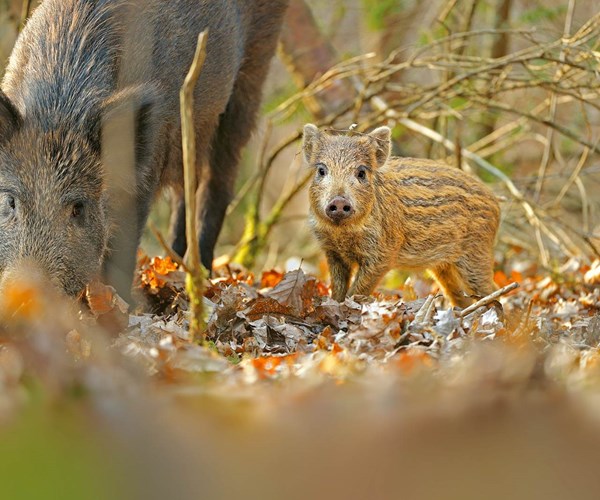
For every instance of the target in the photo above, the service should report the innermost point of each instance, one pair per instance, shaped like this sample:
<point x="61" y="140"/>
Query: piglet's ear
<point x="311" y="140"/>
<point x="10" y="118"/>
<point x="383" y="144"/>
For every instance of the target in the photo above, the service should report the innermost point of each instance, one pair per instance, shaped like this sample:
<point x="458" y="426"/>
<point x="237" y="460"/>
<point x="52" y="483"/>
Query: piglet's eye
<point x="321" y="170"/>
<point x="361" y="173"/>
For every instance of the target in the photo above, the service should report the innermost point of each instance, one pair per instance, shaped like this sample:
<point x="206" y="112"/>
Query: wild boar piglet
<point x="372" y="212"/>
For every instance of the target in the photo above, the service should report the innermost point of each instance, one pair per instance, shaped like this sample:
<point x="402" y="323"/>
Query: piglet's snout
<point x="339" y="208"/>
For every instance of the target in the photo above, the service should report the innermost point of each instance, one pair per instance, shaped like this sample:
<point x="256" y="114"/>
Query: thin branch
<point x="552" y="115"/>
<point x="559" y="128"/>
<point x="573" y="177"/>
<point x="194" y="280"/>
<point x="489" y="299"/>
<point x="167" y="248"/>
<point x="189" y="149"/>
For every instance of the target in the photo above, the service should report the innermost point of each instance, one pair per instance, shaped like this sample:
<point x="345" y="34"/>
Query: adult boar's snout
<point x="25" y="271"/>
<point x="32" y="270"/>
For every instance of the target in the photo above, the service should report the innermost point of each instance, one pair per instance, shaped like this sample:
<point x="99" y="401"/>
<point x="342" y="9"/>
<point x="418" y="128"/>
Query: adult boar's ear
<point x="127" y="118"/>
<point x="311" y="140"/>
<point x="383" y="144"/>
<point x="10" y="118"/>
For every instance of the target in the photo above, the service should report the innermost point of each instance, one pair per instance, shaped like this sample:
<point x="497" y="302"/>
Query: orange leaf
<point x="500" y="279"/>
<point x="516" y="276"/>
<point x="270" y="278"/>
<point x="110" y="310"/>
<point x="322" y="288"/>
<point x="158" y="268"/>
<point x="335" y="348"/>
<point x="266" y="366"/>
<point x="324" y="339"/>
<point x="163" y="266"/>
<point x="408" y="361"/>
<point x="21" y="301"/>
<point x="266" y="306"/>
<point x="100" y="298"/>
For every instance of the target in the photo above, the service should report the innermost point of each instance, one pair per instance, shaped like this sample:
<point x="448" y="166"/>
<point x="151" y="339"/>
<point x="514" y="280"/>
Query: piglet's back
<point x="433" y="192"/>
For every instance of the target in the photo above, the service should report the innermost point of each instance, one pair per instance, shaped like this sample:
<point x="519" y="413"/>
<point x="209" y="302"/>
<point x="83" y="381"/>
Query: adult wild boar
<point x="78" y="62"/>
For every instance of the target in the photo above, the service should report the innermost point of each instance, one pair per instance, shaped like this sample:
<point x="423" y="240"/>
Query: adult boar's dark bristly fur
<point x="372" y="212"/>
<point x="78" y="62"/>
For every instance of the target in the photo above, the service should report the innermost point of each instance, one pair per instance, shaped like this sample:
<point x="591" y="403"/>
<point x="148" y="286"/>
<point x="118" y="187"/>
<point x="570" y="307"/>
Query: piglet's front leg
<point x="369" y="274"/>
<point x="340" y="274"/>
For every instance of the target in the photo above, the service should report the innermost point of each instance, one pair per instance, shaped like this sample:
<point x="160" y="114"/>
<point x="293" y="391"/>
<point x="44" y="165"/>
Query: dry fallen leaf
<point x="288" y="291"/>
<point x="154" y="274"/>
<point x="592" y="276"/>
<point x="110" y="310"/>
<point x="270" y="278"/>
<point x="410" y="360"/>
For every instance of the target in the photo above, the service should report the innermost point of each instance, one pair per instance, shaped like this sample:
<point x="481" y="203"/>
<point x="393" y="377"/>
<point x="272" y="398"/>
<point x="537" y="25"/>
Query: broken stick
<point x="488" y="299"/>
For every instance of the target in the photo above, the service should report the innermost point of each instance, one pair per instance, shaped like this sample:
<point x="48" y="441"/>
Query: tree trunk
<point x="307" y="53"/>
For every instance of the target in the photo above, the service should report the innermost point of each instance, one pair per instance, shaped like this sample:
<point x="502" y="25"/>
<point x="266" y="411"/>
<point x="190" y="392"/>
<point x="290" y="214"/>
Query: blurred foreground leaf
<point x="56" y="453"/>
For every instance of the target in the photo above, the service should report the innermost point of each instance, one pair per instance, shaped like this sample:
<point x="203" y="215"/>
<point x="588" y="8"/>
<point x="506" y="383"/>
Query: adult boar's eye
<point x="8" y="206"/>
<point x="321" y="170"/>
<point x="77" y="210"/>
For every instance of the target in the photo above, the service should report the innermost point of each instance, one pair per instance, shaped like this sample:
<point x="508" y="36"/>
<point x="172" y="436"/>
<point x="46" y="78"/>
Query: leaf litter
<point x="254" y="325"/>
<point x="285" y="325"/>
<point x="283" y="361"/>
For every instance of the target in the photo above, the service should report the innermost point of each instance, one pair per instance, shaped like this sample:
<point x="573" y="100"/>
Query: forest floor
<point x="293" y="395"/>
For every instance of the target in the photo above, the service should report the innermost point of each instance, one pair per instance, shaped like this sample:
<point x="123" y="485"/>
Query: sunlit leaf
<point x="270" y="278"/>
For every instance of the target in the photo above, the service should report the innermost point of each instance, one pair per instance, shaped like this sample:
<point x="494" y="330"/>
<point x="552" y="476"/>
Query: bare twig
<point x="473" y="316"/>
<point x="167" y="248"/>
<point x="559" y="128"/>
<point x="195" y="278"/>
<point x="573" y="177"/>
<point x="552" y="115"/>
<point x="489" y="299"/>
